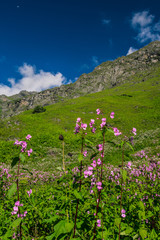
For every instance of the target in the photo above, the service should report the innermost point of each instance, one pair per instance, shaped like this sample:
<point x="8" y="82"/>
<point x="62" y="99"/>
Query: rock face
<point x="107" y="75"/>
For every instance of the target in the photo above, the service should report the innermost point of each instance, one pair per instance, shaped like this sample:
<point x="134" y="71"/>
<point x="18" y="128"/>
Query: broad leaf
<point x="143" y="233"/>
<point x="22" y="157"/>
<point x="78" y="195"/>
<point x="88" y="141"/>
<point x="12" y="190"/>
<point x="130" y="146"/>
<point x="94" y="155"/>
<point x="63" y="227"/>
<point x="27" y="170"/>
<point x="80" y="157"/>
<point x="117" y="221"/>
<point x="124" y="174"/>
<point x="50" y="237"/>
<point x="14" y="161"/>
<point x="16" y="222"/>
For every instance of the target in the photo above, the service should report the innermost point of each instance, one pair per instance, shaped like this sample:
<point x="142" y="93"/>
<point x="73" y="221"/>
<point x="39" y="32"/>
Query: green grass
<point x="136" y="104"/>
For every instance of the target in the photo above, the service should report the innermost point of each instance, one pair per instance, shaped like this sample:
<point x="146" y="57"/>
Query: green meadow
<point x="135" y="103"/>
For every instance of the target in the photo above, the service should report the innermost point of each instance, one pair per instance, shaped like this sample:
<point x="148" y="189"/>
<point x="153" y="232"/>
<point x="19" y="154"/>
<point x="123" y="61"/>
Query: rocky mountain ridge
<point x="107" y="75"/>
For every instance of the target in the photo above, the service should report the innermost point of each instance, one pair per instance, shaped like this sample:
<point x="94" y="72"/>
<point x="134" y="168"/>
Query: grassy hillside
<point x="136" y="104"/>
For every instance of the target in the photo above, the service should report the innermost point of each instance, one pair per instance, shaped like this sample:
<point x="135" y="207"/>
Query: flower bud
<point x="61" y="137"/>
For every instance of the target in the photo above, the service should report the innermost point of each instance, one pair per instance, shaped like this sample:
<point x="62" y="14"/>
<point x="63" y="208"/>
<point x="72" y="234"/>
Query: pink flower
<point x="17" y="203"/>
<point x="90" y="168"/>
<point x="99" y="162"/>
<point x="123" y="213"/>
<point x="94" y="163"/>
<point x="15" y="209"/>
<point x="98" y="111"/>
<point x="29" y="151"/>
<point x="99" y="185"/>
<point x="134" y="131"/>
<point x="91" y="123"/>
<point x="93" y="130"/>
<point x="78" y="120"/>
<point x="85" y="153"/>
<point x="98" y="223"/>
<point x="14" y="236"/>
<point x="100" y="147"/>
<point x="25" y="213"/>
<point x="84" y="126"/>
<point x="112" y="115"/>
<point x="129" y="165"/>
<point x="29" y="192"/>
<point x="28" y="137"/>
<point x="116" y="132"/>
<point x="16" y="142"/>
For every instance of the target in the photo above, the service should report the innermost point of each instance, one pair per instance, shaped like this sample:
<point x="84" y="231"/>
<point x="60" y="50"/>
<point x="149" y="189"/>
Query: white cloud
<point x="131" y="50"/>
<point x="106" y="21"/>
<point x="32" y="81"/>
<point x="147" y="30"/>
<point x="142" y="19"/>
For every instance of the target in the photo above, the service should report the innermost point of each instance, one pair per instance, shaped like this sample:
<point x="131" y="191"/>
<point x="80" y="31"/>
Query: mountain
<point x="138" y="66"/>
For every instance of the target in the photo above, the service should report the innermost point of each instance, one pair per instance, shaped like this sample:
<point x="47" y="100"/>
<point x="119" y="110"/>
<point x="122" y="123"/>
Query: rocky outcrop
<point x="107" y="75"/>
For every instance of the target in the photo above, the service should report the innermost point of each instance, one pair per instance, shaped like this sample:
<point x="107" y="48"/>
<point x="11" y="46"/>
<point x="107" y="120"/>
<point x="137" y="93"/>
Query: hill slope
<point x="110" y="74"/>
<point x="135" y="103"/>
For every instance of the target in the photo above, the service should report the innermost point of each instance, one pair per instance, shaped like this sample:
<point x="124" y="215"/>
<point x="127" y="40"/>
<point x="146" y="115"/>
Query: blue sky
<point x="48" y="43"/>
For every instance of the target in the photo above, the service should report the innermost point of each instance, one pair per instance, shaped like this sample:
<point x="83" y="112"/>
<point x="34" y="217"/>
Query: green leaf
<point x="87" y="146"/>
<point x="69" y="226"/>
<point x="16" y="223"/>
<point x="51" y="219"/>
<point x="63" y="227"/>
<point x="12" y="190"/>
<point x="124" y="174"/>
<point x="50" y="237"/>
<point x="153" y="235"/>
<point x="143" y="233"/>
<point x="14" y="161"/>
<point x="78" y="195"/>
<point x="127" y="231"/>
<point x="130" y="146"/>
<point x="122" y="143"/>
<point x="22" y="157"/>
<point x="27" y="170"/>
<point x="135" y="236"/>
<point x="59" y="168"/>
<point x="110" y="130"/>
<point x="141" y="205"/>
<point x="7" y="235"/>
<point x="94" y="155"/>
<point x="117" y="221"/>
<point x="80" y="157"/>
<point x="88" y="141"/>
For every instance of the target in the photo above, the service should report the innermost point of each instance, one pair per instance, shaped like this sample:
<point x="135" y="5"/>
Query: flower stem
<point x="121" y="189"/>
<point x="20" y="226"/>
<point x="79" y="187"/>
<point x="99" y="195"/>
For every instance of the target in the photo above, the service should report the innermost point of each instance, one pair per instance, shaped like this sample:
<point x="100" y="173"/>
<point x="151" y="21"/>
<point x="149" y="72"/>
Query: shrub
<point x="39" y="109"/>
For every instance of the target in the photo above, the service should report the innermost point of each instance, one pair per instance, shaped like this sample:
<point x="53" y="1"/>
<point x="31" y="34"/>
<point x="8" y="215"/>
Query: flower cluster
<point x="23" y="144"/>
<point x="15" y="210"/>
<point x="116" y="132"/>
<point x="123" y="213"/>
<point x="79" y="125"/>
<point x="29" y="192"/>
